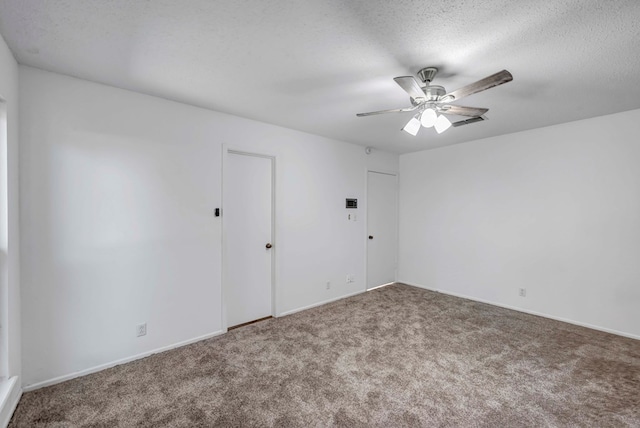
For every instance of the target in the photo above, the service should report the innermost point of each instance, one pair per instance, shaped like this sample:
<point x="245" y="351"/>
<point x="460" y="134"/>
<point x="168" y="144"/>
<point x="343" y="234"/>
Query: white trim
<point x="380" y="286"/>
<point x="324" y="302"/>
<point x="382" y="171"/>
<point x="5" y="309"/>
<point x="101" y="367"/>
<point x="10" y="392"/>
<point x="526" y="311"/>
<point x="413" y="284"/>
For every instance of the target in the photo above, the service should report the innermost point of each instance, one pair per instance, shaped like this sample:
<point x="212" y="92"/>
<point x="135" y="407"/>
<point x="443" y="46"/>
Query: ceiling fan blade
<point x="469" y="121"/>
<point x="395" y="110"/>
<point x="411" y="87"/>
<point x="463" y="111"/>
<point x="488" y="82"/>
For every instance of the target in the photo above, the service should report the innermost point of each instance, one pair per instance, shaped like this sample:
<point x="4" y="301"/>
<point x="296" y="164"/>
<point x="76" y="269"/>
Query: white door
<point x="382" y="208"/>
<point x="248" y="224"/>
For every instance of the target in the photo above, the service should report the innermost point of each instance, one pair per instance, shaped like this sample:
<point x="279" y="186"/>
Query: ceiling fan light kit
<point x="433" y="102"/>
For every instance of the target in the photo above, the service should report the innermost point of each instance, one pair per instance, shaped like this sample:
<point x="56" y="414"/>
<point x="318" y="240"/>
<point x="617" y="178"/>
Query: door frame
<point x="226" y="150"/>
<point x="396" y="174"/>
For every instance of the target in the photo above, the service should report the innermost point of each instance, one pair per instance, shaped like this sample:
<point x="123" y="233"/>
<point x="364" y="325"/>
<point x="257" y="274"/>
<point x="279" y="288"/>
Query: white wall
<point x="117" y="196"/>
<point x="553" y="210"/>
<point x="9" y="234"/>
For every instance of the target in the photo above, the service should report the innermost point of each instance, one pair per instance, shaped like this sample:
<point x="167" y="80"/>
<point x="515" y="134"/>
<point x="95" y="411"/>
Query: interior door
<point x="248" y="225"/>
<point x="382" y="208"/>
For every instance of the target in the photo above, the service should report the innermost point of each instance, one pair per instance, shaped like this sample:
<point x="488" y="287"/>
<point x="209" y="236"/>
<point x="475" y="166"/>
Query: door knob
<point x="370" y="236"/>
<point x="268" y="246"/>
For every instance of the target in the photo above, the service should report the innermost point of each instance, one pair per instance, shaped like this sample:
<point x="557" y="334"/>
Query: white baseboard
<point x="10" y="400"/>
<point x="526" y="311"/>
<point x="380" y="286"/>
<point x="101" y="367"/>
<point x="422" y="286"/>
<point x="324" y="302"/>
<point x="10" y="393"/>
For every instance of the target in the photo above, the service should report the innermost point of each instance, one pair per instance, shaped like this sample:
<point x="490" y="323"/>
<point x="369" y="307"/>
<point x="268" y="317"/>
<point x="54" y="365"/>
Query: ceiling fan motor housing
<point x="432" y="94"/>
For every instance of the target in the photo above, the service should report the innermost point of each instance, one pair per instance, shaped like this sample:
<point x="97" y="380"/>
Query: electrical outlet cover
<point x="142" y="330"/>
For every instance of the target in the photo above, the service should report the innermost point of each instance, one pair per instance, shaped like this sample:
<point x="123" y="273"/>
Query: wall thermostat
<point x="352" y="203"/>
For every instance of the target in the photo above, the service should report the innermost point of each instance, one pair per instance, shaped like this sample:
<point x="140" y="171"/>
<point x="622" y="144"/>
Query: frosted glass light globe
<point x="428" y="118"/>
<point x="442" y="124"/>
<point x="412" y="127"/>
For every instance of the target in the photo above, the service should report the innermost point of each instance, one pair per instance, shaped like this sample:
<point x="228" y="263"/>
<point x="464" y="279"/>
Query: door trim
<point x="366" y="226"/>
<point x="226" y="150"/>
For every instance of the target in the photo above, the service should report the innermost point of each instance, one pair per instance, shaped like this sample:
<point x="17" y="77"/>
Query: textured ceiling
<point x="312" y="65"/>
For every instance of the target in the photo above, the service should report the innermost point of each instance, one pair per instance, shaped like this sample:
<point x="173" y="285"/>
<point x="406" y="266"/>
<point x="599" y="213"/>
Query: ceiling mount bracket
<point x="427" y="74"/>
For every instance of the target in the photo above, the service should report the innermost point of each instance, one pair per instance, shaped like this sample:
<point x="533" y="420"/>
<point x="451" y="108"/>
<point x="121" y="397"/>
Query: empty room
<point x="330" y="213"/>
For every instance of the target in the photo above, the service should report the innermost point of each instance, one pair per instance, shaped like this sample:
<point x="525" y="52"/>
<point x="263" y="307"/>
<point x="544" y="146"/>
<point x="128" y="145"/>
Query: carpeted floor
<point x="395" y="356"/>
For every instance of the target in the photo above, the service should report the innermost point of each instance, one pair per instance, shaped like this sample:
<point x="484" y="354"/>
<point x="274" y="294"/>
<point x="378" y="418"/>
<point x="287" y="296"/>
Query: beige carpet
<point x="396" y="356"/>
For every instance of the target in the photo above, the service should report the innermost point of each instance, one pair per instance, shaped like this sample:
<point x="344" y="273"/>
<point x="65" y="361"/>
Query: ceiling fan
<point x="431" y="102"/>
